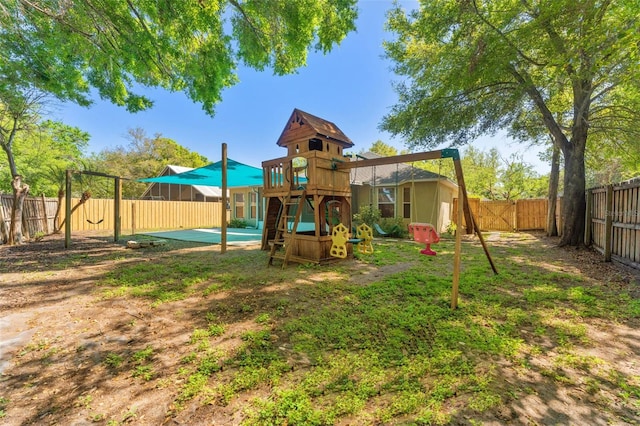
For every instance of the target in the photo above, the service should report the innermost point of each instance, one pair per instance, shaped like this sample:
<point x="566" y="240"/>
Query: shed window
<point x="406" y="203"/>
<point x="387" y="201"/>
<point x="253" y="197"/>
<point x="239" y="205"/>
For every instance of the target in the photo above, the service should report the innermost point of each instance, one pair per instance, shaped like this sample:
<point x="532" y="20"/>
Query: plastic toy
<point x="424" y="233"/>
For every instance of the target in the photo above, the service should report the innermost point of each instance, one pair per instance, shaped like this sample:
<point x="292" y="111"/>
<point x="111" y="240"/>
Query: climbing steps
<point x="282" y="243"/>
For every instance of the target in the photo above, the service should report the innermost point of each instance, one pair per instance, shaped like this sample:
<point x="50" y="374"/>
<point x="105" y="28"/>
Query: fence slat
<point x="39" y="213"/>
<point x="615" y="222"/>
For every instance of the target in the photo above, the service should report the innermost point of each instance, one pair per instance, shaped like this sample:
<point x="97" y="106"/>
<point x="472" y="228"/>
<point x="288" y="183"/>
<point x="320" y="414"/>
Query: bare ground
<point x="56" y="331"/>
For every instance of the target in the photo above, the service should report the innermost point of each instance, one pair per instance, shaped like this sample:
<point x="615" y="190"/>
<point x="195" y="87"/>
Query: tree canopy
<point x="66" y="48"/>
<point x="473" y="67"/>
<point x="43" y="153"/>
<point x="144" y="157"/>
<point x="383" y="149"/>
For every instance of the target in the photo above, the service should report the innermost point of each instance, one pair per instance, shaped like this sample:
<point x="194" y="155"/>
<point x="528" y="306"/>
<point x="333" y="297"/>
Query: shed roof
<point x="318" y="125"/>
<point x="205" y="190"/>
<point x="391" y="174"/>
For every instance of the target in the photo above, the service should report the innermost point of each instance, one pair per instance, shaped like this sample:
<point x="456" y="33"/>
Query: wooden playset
<point x="313" y="181"/>
<point x="306" y="181"/>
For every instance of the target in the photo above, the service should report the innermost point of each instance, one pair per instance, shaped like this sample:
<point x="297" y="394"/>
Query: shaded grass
<point x="388" y="350"/>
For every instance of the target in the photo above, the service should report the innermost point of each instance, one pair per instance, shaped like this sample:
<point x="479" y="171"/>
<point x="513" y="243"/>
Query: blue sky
<point x="351" y="86"/>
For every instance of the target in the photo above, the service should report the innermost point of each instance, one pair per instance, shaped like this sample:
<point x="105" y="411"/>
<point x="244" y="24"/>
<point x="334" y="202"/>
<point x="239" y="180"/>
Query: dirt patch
<point x="56" y="331"/>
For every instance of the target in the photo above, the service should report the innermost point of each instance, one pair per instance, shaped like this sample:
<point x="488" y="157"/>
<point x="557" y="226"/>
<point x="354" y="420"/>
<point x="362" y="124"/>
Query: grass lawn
<point x="185" y="334"/>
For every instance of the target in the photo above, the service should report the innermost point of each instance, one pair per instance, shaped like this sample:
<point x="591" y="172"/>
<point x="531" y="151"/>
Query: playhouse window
<point x="315" y="144"/>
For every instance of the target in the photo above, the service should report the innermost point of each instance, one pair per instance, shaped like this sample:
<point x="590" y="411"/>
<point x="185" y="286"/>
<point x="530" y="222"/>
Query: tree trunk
<point x="554" y="179"/>
<point x="56" y="217"/>
<point x="573" y="202"/>
<point x="19" y="193"/>
<point x="4" y="230"/>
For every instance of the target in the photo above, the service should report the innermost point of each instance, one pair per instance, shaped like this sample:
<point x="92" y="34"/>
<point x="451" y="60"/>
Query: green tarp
<point x="238" y="174"/>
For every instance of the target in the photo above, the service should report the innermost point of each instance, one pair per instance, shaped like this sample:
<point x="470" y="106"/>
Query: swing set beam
<point x="463" y="207"/>
<point x="117" y="198"/>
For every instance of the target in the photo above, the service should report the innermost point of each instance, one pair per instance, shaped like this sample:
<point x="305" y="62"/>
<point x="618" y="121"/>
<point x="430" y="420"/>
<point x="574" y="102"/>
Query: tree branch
<point x="547" y="115"/>
<point x="249" y="22"/>
<point x="505" y="38"/>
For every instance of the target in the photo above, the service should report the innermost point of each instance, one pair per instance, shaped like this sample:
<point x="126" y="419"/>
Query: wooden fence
<point x="613" y="222"/>
<point x="37" y="215"/>
<point x="98" y="215"/>
<point x="511" y="216"/>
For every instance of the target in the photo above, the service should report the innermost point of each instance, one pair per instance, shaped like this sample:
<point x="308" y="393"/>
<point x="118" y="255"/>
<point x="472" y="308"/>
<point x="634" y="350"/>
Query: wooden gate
<point x="497" y="216"/>
<point x="510" y="216"/>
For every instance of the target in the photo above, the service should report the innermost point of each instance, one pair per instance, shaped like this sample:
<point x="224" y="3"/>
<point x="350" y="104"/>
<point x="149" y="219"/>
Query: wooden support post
<point x="456" y="256"/>
<point x="469" y="219"/>
<point x="608" y="224"/>
<point x="588" y="219"/>
<point x="223" y="230"/>
<point x="117" y="198"/>
<point x="465" y="199"/>
<point x="484" y="245"/>
<point x="67" y="212"/>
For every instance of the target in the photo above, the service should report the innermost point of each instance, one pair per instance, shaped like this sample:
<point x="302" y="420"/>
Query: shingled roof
<point x="319" y="125"/>
<point x="390" y="174"/>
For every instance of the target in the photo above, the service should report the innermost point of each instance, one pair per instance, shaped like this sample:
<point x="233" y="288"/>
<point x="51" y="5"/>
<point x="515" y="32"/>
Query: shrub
<point x="368" y="215"/>
<point x="395" y="227"/>
<point x="238" y="223"/>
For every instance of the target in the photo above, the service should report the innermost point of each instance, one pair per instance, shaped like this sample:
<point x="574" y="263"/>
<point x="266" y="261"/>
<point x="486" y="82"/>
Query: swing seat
<point x="424" y="233"/>
<point x="365" y="236"/>
<point x="339" y="239"/>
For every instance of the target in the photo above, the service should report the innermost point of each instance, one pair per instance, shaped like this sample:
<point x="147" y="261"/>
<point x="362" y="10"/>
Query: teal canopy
<point x="238" y="174"/>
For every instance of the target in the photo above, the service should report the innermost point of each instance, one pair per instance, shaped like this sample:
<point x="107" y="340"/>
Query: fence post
<point x="588" y="219"/>
<point x="117" y="198"/>
<point x="608" y="224"/>
<point x="133" y="218"/>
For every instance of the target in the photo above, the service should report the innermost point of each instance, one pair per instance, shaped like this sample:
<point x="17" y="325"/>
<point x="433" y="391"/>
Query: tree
<point x="612" y="161"/>
<point x="482" y="172"/>
<point x="383" y="149"/>
<point x="552" y="197"/>
<point x="18" y="113"/>
<point x="519" y="180"/>
<point x="143" y="157"/>
<point x="68" y="47"/>
<point x="473" y="67"/>
<point x="43" y="153"/>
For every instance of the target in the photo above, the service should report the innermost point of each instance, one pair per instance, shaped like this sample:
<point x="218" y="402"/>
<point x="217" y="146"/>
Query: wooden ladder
<point x="281" y="228"/>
